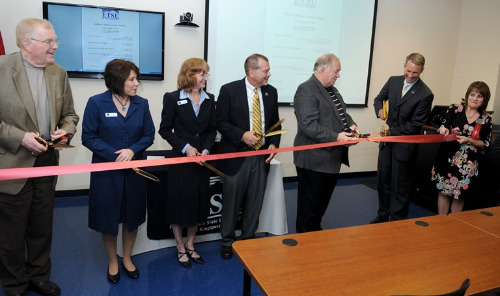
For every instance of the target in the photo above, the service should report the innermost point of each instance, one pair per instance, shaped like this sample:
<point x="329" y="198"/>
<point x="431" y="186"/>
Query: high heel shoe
<point x="198" y="259"/>
<point x="186" y="264"/>
<point x="113" y="278"/>
<point x="131" y="274"/>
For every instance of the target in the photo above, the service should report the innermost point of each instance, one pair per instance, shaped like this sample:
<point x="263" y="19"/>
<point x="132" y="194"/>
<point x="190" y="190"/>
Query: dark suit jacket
<point x="180" y="126"/>
<point x="232" y="117"/>
<point x="406" y="115"/>
<point x="318" y="121"/>
<point x="18" y="113"/>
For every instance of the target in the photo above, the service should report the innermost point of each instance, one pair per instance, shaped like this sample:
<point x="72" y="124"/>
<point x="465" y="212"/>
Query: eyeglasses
<point x="204" y="75"/>
<point x="50" y="43"/>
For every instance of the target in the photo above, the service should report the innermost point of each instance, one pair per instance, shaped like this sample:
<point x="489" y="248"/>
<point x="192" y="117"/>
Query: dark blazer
<point x="232" y="118"/>
<point x="180" y="126"/>
<point x="406" y="115"/>
<point x="18" y="113"/>
<point x="318" y="121"/>
<point x="105" y="131"/>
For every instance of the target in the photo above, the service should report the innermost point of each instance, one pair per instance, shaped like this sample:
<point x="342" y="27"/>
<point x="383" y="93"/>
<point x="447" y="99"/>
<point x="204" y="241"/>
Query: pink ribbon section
<point x="31" y="172"/>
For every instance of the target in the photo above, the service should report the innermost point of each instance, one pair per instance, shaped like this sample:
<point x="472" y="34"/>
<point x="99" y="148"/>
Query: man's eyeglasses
<point x="48" y="42"/>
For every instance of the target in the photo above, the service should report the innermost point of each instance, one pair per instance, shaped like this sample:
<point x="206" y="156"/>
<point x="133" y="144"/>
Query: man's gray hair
<point x="26" y="28"/>
<point x="324" y="60"/>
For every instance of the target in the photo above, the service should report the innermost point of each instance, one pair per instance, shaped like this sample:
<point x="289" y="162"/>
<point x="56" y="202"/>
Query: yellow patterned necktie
<point x="256" y="118"/>
<point x="405" y="89"/>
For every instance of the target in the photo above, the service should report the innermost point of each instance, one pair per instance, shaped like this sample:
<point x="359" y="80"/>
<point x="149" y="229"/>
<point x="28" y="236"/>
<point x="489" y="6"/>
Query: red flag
<point x="2" y="49"/>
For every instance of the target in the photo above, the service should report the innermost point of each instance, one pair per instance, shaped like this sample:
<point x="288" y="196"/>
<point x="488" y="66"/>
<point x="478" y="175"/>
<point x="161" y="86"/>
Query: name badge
<point x="182" y="102"/>
<point x="111" y="114"/>
<point x="480" y="121"/>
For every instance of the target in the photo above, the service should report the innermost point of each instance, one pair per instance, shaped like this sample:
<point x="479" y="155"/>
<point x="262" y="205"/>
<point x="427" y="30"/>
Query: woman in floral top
<point x="456" y="166"/>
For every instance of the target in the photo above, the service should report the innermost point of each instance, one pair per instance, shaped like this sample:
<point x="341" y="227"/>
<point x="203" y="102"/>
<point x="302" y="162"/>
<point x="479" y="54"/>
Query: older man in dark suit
<point x="35" y="96"/>
<point x="410" y="102"/>
<point x="245" y="109"/>
<point x="321" y="118"/>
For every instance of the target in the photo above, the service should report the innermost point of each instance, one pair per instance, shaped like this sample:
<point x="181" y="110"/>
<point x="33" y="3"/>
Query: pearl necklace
<point x="124" y="105"/>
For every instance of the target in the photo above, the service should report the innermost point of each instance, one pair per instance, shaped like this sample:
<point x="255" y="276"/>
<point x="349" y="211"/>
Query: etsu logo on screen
<point x="306" y="3"/>
<point x="110" y="14"/>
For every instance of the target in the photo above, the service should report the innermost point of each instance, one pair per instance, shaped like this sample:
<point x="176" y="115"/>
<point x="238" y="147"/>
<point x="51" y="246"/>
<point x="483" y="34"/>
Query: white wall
<point x="478" y="47"/>
<point x="180" y="43"/>
<point x="459" y="41"/>
<point x="457" y="37"/>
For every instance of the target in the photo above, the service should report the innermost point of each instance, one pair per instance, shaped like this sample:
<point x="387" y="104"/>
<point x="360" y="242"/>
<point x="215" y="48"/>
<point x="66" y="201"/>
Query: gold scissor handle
<point x="40" y="140"/>
<point x="272" y="128"/>
<point x="146" y="174"/>
<point x="270" y="134"/>
<point x="210" y="167"/>
<point x="385" y="109"/>
<point x="53" y="144"/>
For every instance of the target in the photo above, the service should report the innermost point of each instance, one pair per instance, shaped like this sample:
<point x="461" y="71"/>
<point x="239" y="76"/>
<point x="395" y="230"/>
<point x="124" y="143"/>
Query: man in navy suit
<point x="246" y="177"/>
<point x="410" y="102"/>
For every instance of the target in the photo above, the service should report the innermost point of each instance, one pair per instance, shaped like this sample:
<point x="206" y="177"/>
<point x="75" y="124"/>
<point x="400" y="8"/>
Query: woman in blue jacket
<point x="117" y="126"/>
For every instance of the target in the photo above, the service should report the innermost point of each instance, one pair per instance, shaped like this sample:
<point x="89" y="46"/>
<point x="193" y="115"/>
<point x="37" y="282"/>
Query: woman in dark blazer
<point x="117" y="126"/>
<point x="188" y="124"/>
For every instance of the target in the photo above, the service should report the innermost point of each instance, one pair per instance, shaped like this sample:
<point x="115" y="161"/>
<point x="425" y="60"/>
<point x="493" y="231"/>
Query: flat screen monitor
<point x="292" y="34"/>
<point x="91" y="36"/>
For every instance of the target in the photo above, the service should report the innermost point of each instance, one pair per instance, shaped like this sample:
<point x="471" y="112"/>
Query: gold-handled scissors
<point x="271" y="131"/>
<point x="270" y="134"/>
<point x="355" y="131"/>
<point x="272" y="128"/>
<point x="384" y="130"/>
<point x="384" y="108"/>
<point x="53" y="144"/>
<point x="146" y="174"/>
<point x="211" y="167"/>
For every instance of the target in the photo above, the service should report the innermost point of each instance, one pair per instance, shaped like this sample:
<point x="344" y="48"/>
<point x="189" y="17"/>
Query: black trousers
<point x="246" y="188"/>
<point x="394" y="184"/>
<point x="314" y="192"/>
<point x="26" y="231"/>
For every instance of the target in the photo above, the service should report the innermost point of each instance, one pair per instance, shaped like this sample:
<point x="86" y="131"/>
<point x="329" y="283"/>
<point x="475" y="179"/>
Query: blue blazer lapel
<point x="131" y="109"/>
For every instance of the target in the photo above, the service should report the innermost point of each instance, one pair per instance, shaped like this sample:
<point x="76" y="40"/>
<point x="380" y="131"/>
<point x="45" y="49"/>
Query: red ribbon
<point x="475" y="131"/>
<point x="31" y="172"/>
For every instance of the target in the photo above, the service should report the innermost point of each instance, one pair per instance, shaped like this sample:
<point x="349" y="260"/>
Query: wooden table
<point x="395" y="258"/>
<point x="485" y="219"/>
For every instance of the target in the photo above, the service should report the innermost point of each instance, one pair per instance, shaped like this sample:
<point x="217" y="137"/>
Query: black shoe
<point x="198" y="260"/>
<point x="113" y="278"/>
<point x="186" y="264"/>
<point x="46" y="288"/>
<point x="17" y="294"/>
<point x="226" y="252"/>
<point x="131" y="274"/>
<point x="380" y="219"/>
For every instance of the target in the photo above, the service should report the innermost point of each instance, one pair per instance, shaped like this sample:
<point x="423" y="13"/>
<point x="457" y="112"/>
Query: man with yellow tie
<point x="410" y="102"/>
<point x="245" y="108"/>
